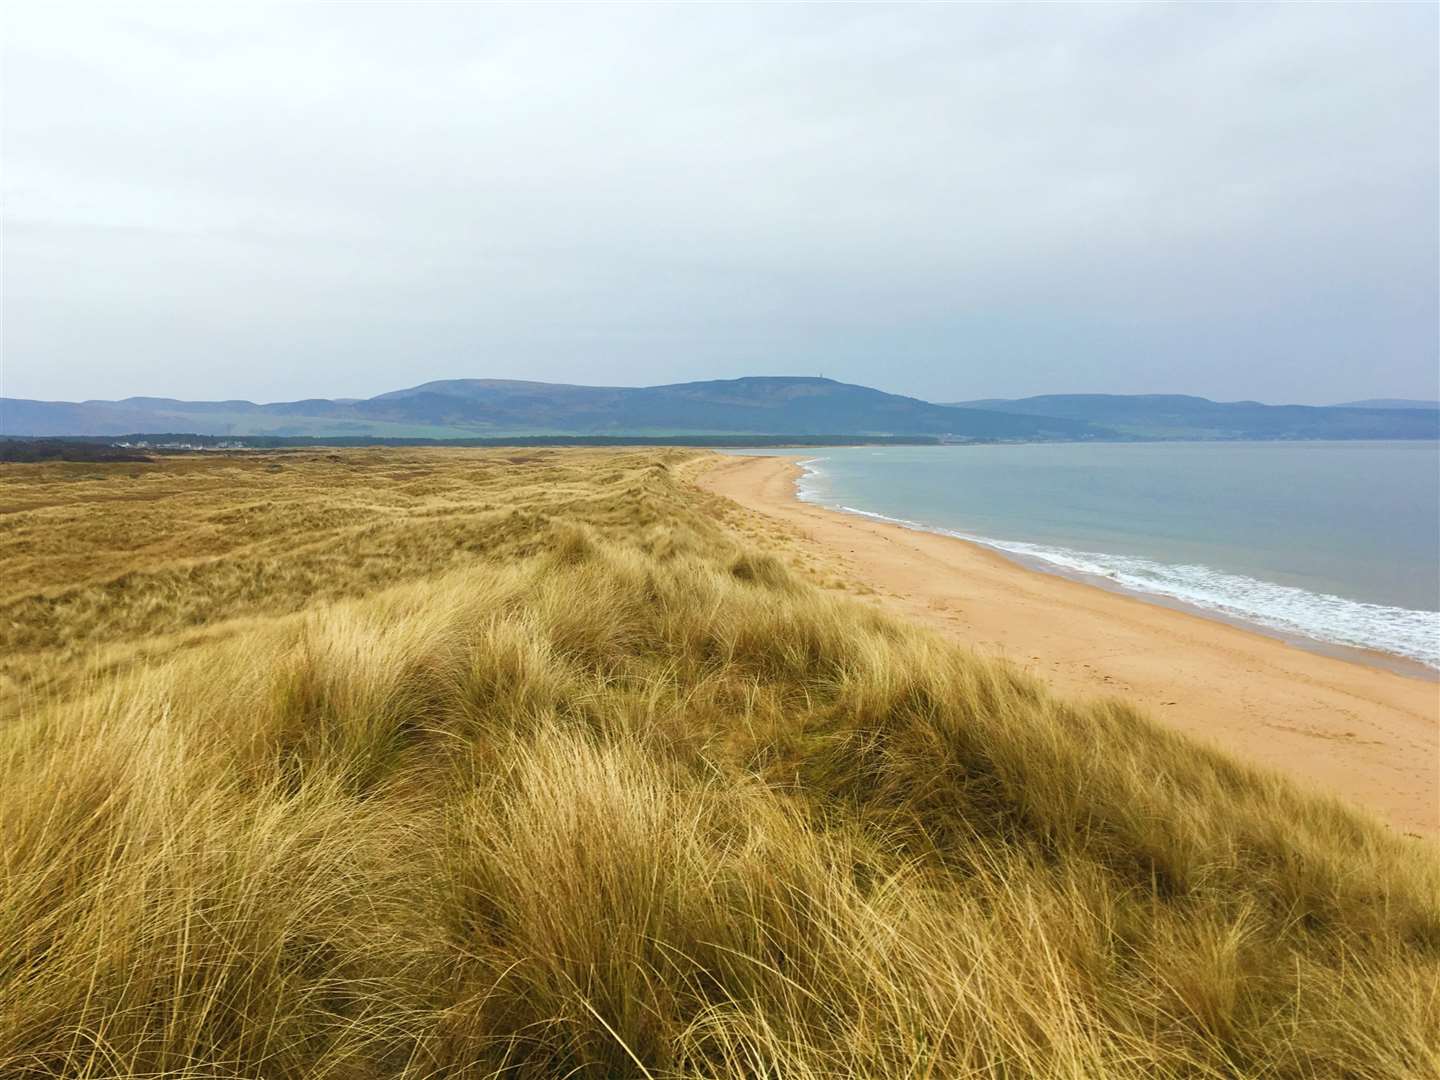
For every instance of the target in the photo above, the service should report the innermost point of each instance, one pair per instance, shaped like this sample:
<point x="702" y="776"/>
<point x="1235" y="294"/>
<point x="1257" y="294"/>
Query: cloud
<point x="952" y="201"/>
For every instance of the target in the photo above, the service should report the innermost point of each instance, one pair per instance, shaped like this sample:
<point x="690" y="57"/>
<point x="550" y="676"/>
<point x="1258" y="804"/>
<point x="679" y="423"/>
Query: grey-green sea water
<point x="1337" y="542"/>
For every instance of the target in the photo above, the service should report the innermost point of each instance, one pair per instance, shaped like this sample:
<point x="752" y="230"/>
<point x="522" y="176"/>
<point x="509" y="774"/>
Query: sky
<point x="952" y="202"/>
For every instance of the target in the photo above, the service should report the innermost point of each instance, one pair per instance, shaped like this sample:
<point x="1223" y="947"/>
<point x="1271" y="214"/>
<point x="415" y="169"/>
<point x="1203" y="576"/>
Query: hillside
<point x="1390" y="403"/>
<point x="431" y="764"/>
<point x="1177" y="416"/>
<point x="481" y="407"/>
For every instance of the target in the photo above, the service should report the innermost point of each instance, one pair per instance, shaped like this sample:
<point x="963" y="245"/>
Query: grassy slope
<point x="441" y="763"/>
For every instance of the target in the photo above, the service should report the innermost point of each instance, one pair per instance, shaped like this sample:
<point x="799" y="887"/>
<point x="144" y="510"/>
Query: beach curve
<point x="1368" y="735"/>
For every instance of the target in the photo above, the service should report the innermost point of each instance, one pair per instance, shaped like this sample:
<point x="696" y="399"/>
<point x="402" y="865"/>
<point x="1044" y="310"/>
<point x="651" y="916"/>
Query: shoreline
<point x="1355" y="654"/>
<point x="1337" y="723"/>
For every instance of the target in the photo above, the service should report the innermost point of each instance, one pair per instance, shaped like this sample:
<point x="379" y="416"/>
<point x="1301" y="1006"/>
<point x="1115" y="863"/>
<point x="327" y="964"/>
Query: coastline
<point x="1400" y="665"/>
<point x="1355" y="729"/>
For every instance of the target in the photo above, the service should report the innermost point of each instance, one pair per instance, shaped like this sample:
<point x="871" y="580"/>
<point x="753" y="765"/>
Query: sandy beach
<point x="1369" y="735"/>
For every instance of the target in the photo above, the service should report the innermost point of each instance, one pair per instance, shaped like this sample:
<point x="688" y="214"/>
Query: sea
<point x="1320" y="543"/>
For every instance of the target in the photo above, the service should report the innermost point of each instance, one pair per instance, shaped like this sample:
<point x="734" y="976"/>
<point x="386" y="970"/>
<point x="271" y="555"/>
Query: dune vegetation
<point x="483" y="764"/>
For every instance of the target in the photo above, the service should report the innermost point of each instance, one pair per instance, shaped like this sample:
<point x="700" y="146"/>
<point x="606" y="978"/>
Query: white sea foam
<point x="807" y="490"/>
<point x="1414" y="635"/>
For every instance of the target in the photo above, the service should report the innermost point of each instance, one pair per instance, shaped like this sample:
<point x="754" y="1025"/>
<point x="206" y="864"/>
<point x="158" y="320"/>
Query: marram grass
<point x="613" y="793"/>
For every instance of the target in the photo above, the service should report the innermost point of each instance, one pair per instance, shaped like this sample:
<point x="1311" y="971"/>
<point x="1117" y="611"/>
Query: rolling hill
<point x="770" y="406"/>
<point x="1389" y="403"/>
<point x="479" y="407"/>
<point x="1178" y="416"/>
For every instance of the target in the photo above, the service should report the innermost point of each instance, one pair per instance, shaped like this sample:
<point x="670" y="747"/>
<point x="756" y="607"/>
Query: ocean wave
<point x="1322" y="617"/>
<point x="807" y="488"/>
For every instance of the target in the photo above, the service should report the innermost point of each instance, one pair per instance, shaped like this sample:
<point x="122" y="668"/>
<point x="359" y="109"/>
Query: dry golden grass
<point x="109" y="563"/>
<point x="456" y="767"/>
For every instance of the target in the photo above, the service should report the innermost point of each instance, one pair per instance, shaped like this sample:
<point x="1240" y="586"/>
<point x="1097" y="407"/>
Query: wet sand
<point x="1357" y="730"/>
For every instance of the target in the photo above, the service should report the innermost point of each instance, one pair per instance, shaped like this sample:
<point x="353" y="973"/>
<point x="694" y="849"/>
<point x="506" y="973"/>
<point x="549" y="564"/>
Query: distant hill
<point x="460" y="408"/>
<point x="771" y="405"/>
<point x="1389" y="403"/>
<point x="1177" y="416"/>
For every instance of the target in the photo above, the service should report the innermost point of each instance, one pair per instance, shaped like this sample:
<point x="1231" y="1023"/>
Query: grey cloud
<point x="948" y="201"/>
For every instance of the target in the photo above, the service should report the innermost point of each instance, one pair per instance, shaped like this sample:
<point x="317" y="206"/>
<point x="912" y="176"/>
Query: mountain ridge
<point x="1185" y="416"/>
<point x="1389" y="403"/>
<point x="758" y="405"/>
<point x="768" y="405"/>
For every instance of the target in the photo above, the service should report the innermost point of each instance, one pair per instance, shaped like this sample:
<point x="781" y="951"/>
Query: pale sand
<point x="1369" y="735"/>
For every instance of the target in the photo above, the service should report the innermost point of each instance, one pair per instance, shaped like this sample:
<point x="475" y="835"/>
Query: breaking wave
<point x="1414" y="635"/>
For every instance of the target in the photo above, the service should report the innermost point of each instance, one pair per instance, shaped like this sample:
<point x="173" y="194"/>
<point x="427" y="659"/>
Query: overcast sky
<point x="947" y="201"/>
